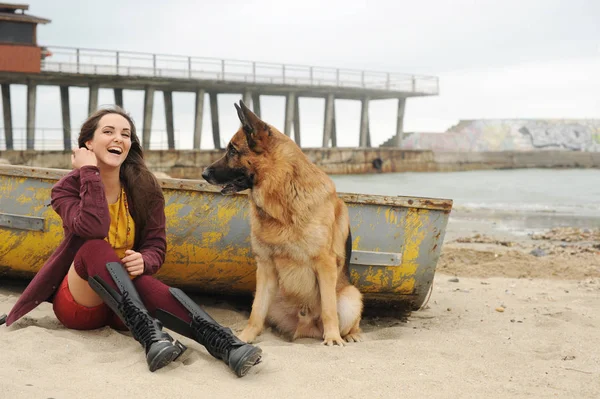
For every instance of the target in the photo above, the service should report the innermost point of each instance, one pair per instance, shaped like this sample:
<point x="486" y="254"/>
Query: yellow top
<point x="121" y="234"/>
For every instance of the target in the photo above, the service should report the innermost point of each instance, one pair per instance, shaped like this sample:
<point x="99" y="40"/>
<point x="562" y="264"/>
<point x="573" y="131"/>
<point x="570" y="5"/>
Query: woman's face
<point x="111" y="141"/>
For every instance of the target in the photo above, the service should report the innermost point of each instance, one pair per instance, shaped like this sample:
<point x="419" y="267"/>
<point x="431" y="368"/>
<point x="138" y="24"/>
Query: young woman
<point x="113" y="216"/>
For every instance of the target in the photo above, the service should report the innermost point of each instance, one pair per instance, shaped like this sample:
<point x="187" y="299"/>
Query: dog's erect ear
<point x="253" y="126"/>
<point x="248" y="128"/>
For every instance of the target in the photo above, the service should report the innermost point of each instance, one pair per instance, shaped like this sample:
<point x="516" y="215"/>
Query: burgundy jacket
<point x="80" y="201"/>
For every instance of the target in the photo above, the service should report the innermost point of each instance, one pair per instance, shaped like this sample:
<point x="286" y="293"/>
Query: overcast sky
<point x="494" y="59"/>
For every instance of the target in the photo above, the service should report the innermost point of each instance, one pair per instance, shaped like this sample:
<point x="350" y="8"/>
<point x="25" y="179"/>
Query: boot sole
<point x="244" y="364"/>
<point x="164" y="357"/>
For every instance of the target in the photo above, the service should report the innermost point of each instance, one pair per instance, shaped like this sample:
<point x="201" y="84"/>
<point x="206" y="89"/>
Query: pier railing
<point x="128" y="63"/>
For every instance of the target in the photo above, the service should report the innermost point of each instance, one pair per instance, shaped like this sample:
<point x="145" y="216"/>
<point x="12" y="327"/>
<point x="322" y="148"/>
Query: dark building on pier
<point x="18" y="39"/>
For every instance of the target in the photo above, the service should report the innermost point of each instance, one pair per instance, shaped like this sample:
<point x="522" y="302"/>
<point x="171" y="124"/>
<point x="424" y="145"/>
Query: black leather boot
<point x="161" y="348"/>
<point x="219" y="341"/>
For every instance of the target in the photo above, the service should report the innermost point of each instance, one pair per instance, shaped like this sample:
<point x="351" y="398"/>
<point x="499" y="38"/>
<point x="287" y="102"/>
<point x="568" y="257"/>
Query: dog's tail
<point x="348" y="253"/>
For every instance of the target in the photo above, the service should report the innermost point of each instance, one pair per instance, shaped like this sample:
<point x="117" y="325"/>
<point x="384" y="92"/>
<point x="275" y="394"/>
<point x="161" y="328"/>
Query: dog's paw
<point x="353" y="337"/>
<point x="247" y="336"/>
<point x="333" y="340"/>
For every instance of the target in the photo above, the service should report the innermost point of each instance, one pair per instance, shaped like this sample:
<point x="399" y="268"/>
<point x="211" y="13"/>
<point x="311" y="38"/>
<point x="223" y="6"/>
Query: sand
<point x="501" y="322"/>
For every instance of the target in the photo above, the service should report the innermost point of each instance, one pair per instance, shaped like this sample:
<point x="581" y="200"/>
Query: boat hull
<point x="396" y="240"/>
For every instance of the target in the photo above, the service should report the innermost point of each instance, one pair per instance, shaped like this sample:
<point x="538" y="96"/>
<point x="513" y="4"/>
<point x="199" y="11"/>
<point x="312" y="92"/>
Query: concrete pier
<point x="168" y="97"/>
<point x="329" y="121"/>
<point x="148" y="109"/>
<point x="118" y="97"/>
<point x="198" y="118"/>
<point x="73" y="67"/>
<point x="291" y="119"/>
<point x="66" y="116"/>
<point x="31" y="105"/>
<point x="214" y="116"/>
<point x="400" y="122"/>
<point x="247" y="98"/>
<point x="93" y="99"/>
<point x="365" y="137"/>
<point x="7" y="113"/>
<point x="333" y="128"/>
<point x="256" y="104"/>
<point x="297" y="122"/>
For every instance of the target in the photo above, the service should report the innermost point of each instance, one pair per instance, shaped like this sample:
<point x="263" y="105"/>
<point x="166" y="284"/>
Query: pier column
<point x="148" y="108"/>
<point x="168" y="96"/>
<point x="214" y="116"/>
<point x="7" y="111"/>
<point x="198" y="119"/>
<point x="256" y="104"/>
<point x="66" y="117"/>
<point x="364" y="124"/>
<point x="289" y="114"/>
<point x="297" y="122"/>
<point x="400" y="122"/>
<point x="119" y="97"/>
<point x="93" y="99"/>
<point x="329" y="120"/>
<point x="31" y="105"/>
<point x="247" y="98"/>
<point x="333" y="128"/>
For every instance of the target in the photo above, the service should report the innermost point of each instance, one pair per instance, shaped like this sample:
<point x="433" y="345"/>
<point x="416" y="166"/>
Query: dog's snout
<point x="206" y="173"/>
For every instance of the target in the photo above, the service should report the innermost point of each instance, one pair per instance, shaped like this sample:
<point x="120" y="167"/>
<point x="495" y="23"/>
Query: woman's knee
<point x="93" y="254"/>
<point x="94" y="246"/>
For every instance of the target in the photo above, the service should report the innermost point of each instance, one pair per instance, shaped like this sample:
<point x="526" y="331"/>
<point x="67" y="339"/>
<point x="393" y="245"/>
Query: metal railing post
<point x="190" y="67"/>
<point x="387" y="81"/>
<point x="311" y="75"/>
<point x="337" y="77"/>
<point x="254" y="71"/>
<point x="77" y="52"/>
<point x="283" y="73"/>
<point x="154" y="63"/>
<point x="222" y="69"/>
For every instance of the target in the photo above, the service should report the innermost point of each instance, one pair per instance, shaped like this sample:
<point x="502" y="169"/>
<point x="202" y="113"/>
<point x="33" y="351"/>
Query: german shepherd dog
<point x="300" y="236"/>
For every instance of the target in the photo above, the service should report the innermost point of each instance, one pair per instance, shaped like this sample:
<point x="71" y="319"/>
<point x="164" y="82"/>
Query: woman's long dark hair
<point x="134" y="172"/>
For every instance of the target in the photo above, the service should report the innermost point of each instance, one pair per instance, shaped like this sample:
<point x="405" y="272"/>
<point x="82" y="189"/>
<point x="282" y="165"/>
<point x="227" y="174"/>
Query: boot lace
<point x="137" y="321"/>
<point x="216" y="339"/>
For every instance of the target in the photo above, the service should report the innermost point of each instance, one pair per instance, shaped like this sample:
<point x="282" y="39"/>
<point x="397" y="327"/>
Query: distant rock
<point x="539" y="252"/>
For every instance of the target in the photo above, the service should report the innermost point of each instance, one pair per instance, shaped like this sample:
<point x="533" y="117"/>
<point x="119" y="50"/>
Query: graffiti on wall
<point x="511" y="135"/>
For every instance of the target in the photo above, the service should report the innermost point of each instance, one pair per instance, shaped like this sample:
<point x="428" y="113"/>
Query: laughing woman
<point x="112" y="209"/>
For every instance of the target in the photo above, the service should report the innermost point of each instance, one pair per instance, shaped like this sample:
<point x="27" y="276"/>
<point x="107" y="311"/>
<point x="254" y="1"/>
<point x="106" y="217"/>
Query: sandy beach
<point x="510" y="315"/>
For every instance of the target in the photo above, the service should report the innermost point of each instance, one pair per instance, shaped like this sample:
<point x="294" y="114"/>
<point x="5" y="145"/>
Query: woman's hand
<point x="133" y="262"/>
<point x="83" y="157"/>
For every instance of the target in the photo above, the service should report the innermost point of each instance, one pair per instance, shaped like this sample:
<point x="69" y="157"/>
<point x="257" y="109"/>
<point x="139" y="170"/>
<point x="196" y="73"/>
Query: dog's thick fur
<point x="300" y="236"/>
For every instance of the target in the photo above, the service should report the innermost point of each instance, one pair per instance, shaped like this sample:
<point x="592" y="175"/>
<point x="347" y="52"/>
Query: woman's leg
<point x="180" y="313"/>
<point x="82" y="293"/>
<point x="98" y="264"/>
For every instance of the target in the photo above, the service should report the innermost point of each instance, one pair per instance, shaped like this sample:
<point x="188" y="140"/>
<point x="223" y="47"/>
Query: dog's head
<point x="236" y="170"/>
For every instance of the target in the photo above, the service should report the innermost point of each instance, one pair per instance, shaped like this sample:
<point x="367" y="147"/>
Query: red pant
<point x="79" y="317"/>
